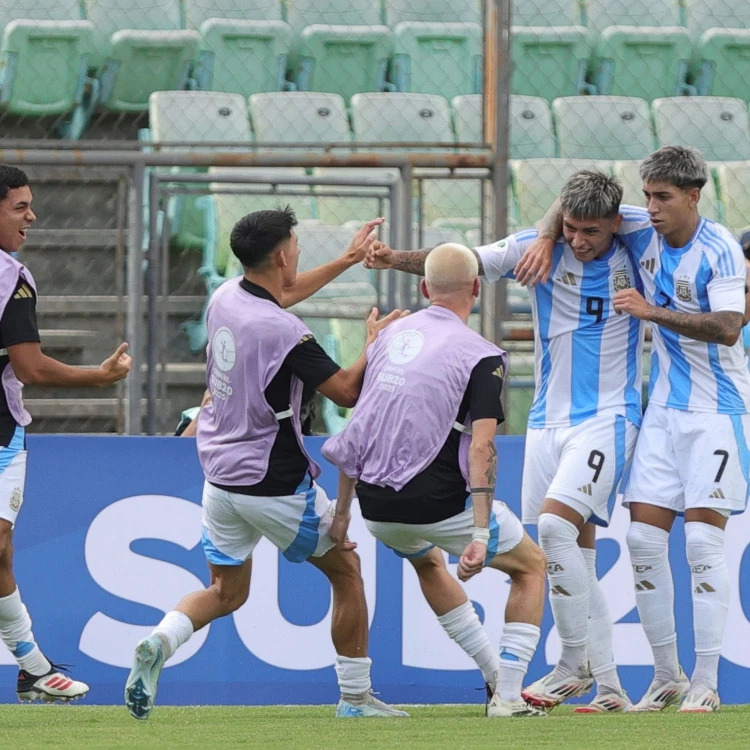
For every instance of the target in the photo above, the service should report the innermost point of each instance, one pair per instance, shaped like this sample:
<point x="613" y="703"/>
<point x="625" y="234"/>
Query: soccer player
<point x="582" y="424"/>
<point x="422" y="433"/>
<point x="22" y="363"/>
<point x="260" y="481"/>
<point x="692" y="455"/>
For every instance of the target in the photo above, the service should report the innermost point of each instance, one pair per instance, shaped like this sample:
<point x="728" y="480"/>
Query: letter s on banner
<point x="152" y="582"/>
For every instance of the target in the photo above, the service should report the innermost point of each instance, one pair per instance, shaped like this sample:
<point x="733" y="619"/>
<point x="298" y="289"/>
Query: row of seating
<point x="129" y="49"/>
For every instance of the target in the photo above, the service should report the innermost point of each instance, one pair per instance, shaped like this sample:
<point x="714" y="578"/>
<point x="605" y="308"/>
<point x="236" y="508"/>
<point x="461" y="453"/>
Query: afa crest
<point x="682" y="290"/>
<point x="16" y="499"/>
<point x="621" y="280"/>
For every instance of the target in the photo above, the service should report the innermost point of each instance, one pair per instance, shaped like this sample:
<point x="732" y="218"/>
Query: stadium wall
<point x="109" y="538"/>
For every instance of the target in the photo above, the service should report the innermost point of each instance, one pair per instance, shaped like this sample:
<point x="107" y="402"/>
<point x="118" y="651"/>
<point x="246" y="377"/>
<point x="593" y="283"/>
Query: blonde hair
<point x="450" y="268"/>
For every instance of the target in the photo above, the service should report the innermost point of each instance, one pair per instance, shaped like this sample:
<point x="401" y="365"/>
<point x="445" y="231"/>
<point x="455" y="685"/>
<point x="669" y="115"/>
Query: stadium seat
<point x="437" y="58"/>
<point x="244" y="45"/>
<point x="433" y="11"/>
<point x="537" y="182"/>
<point x="718" y="126"/>
<point x="603" y="127"/>
<point x="640" y="48"/>
<point x="547" y="13"/>
<point x="720" y="30"/>
<point x="44" y="56"/>
<point x="138" y="50"/>
<point x="734" y="188"/>
<point x="343" y="207"/>
<point x="531" y="133"/>
<point x="195" y="116"/>
<point x="340" y="46"/>
<point x="628" y="175"/>
<point x="299" y="116"/>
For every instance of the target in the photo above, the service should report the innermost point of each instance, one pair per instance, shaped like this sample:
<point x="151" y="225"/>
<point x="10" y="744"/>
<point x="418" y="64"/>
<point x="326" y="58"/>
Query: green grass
<point x="308" y="728"/>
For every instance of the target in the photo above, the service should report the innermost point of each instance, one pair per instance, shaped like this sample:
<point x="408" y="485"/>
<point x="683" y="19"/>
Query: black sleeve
<point x="485" y="389"/>
<point x="310" y="363"/>
<point x="18" y="324"/>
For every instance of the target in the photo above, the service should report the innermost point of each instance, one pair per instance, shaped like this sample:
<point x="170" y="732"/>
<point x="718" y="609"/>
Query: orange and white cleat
<point x="659" y="697"/>
<point x="613" y="702"/>
<point x="700" y="699"/>
<point x="551" y="690"/>
<point x="49" y="688"/>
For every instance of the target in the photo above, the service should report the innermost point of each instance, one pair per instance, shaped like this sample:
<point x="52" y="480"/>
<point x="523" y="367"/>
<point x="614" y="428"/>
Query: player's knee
<point x="347" y="571"/>
<point x="703" y="543"/>
<point x="646" y="543"/>
<point x="556" y="533"/>
<point x="231" y="598"/>
<point x="531" y="569"/>
<point x="6" y="546"/>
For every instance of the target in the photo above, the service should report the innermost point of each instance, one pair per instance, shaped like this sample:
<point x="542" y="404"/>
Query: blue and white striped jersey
<point x="587" y="358"/>
<point x="707" y="275"/>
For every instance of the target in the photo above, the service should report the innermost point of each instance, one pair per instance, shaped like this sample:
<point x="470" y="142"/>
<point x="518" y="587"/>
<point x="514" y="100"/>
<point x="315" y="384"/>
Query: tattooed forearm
<point x="713" y="328"/>
<point x="552" y="222"/>
<point x="410" y="262"/>
<point x="491" y="472"/>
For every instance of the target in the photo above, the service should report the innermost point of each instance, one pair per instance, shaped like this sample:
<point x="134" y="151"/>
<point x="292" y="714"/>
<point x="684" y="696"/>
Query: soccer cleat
<point x="140" y="689"/>
<point x="700" y="699"/>
<point x="659" y="697"/>
<point x="51" y="687"/>
<point x="551" y="691"/>
<point x="500" y="709"/>
<point x="368" y="707"/>
<point x="613" y="702"/>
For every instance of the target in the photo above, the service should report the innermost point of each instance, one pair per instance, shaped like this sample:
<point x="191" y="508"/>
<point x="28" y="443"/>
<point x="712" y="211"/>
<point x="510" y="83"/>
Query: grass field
<point x="454" y="727"/>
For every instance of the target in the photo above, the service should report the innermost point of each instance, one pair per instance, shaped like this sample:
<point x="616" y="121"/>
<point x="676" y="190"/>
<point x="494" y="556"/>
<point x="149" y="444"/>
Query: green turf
<point x="308" y="728"/>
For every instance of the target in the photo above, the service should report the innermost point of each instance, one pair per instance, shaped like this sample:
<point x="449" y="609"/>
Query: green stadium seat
<point x="244" y="45"/>
<point x="628" y="175"/>
<point x="299" y="116"/>
<point x="547" y="13"/>
<point x="340" y="46"/>
<point x="640" y="48"/>
<point x="718" y="126"/>
<point x="44" y="55"/>
<point x="537" y="182"/>
<point x="531" y="133"/>
<point x="734" y="188"/>
<point x="437" y="58"/>
<point x="603" y="127"/>
<point x="195" y="116"/>
<point x="720" y="30"/>
<point x="433" y="11"/>
<point x="549" y="61"/>
<point x="138" y="50"/>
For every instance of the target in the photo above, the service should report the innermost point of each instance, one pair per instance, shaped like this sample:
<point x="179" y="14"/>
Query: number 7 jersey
<point x="707" y="275"/>
<point x="587" y="358"/>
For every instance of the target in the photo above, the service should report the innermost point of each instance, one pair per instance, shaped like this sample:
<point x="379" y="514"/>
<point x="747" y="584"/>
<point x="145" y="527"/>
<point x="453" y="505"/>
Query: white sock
<point x="175" y="629"/>
<point x="654" y="596"/>
<point x="15" y="632"/>
<point x="517" y="647"/>
<point x="353" y="673"/>
<point x="568" y="591"/>
<point x="463" y="626"/>
<point x="599" y="646"/>
<point x="705" y="554"/>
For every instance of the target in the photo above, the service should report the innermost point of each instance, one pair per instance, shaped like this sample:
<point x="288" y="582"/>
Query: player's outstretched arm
<point x="380" y="257"/>
<point x="340" y="523"/>
<point x="309" y="282"/>
<point x="482" y="478"/>
<point x="536" y="263"/>
<point x="344" y="387"/>
<point x="32" y="367"/>
<point x="722" y="327"/>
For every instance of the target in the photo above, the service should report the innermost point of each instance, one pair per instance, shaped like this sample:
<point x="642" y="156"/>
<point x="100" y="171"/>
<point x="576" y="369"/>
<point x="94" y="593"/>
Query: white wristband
<point x="480" y="534"/>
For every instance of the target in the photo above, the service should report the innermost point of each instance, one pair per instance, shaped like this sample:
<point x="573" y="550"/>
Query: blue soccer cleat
<point x="368" y="707"/>
<point x="140" y="689"/>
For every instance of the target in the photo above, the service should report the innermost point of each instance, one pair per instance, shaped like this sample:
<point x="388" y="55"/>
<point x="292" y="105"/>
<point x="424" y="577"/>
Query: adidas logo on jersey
<point x="649" y="264"/>
<point x="568" y="278"/>
<point x="24" y="292"/>
<point x="587" y="489"/>
<point x="717" y="495"/>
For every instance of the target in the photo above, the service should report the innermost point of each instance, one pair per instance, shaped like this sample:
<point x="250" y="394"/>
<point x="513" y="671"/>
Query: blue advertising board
<point x="108" y="540"/>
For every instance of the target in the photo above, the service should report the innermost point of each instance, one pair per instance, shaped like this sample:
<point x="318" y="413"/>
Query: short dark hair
<point x="10" y="179"/>
<point x="258" y="234"/>
<point x="681" y="166"/>
<point x="589" y="195"/>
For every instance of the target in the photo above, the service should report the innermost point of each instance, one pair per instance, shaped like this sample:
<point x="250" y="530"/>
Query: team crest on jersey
<point x="621" y="280"/>
<point x="16" y="498"/>
<point x="682" y="290"/>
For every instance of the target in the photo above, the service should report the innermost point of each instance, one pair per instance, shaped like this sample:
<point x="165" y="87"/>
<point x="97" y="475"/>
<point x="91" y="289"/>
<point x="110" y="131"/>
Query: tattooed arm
<point x="483" y="469"/>
<point x="381" y="257"/>
<point x="715" y="327"/>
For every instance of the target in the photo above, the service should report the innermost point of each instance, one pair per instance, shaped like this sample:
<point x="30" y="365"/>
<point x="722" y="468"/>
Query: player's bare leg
<point x="648" y="543"/>
<point x="227" y="592"/>
<point x="38" y="678"/>
<point x="559" y="529"/>
<point x="349" y="631"/>
<point x="526" y="566"/>
<point x="610" y="697"/>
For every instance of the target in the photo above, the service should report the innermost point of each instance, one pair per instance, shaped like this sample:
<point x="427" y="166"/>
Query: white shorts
<point x="12" y="476"/>
<point x="298" y="524"/>
<point x="690" y="459"/>
<point x="413" y="540"/>
<point x="580" y="466"/>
